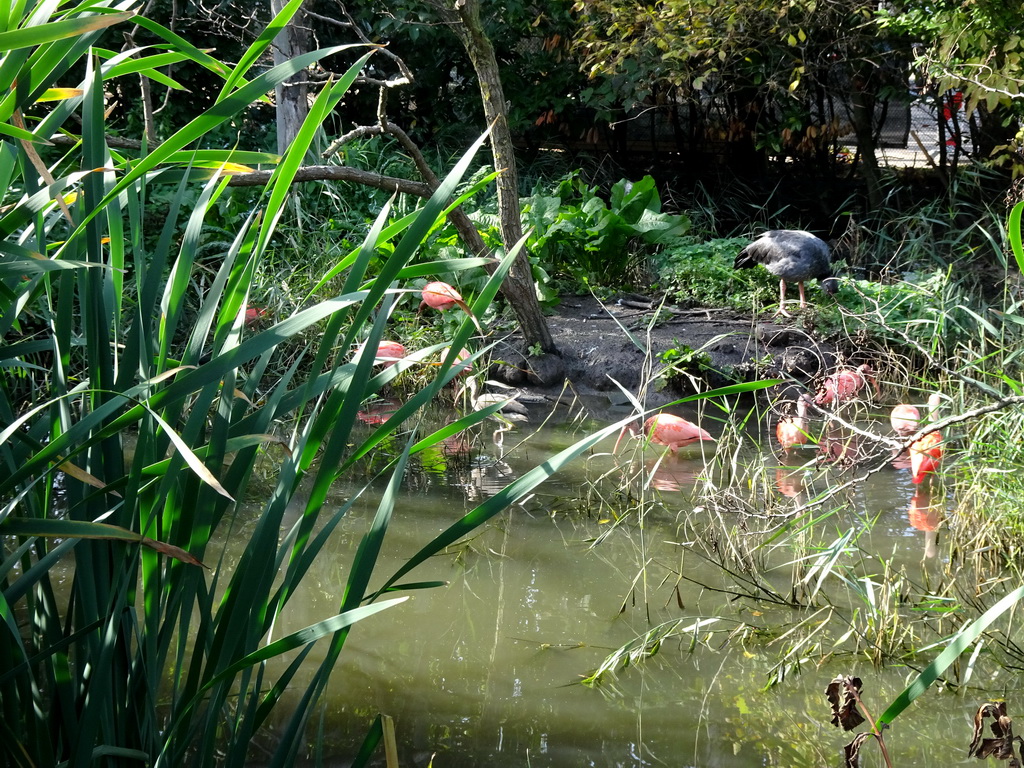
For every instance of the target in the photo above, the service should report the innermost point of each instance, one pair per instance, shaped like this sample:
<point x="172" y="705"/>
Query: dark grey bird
<point x="791" y="255"/>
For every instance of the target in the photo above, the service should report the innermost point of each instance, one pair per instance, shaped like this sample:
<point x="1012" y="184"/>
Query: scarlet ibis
<point x="925" y="457"/>
<point x="845" y="384"/>
<point x="791" y="255"/>
<point x="440" y="296"/>
<point x="926" y="453"/>
<point x="388" y="352"/>
<point x="464" y="368"/>
<point x="253" y="315"/>
<point x="904" y="419"/>
<point x="667" y="429"/>
<point x="792" y="430"/>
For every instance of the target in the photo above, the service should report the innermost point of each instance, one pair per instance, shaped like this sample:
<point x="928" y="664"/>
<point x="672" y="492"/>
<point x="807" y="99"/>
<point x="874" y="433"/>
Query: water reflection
<point x="484" y="672"/>
<point x="377" y="412"/>
<point x="673" y="472"/>
<point x="926" y="515"/>
<point x="840" y="447"/>
<point x="790" y="482"/>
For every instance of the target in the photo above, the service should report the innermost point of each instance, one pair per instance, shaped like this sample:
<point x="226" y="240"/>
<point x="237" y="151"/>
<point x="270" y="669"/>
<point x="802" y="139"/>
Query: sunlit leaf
<point x="59" y="94"/>
<point x="58" y="30"/>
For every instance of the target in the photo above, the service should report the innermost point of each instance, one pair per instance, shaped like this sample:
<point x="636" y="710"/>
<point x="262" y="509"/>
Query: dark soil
<point x="595" y="348"/>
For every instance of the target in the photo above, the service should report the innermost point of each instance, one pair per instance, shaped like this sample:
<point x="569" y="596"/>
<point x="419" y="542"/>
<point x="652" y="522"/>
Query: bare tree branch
<point x="338" y="173"/>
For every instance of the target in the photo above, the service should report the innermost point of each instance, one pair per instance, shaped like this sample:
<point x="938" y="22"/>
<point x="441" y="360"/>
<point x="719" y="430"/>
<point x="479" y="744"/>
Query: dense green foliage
<point x="177" y="370"/>
<point x="575" y="233"/>
<point x="975" y="48"/>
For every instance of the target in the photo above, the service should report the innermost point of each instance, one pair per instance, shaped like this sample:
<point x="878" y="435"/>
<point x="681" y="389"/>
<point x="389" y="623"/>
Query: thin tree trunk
<point x="292" y="96"/>
<point x="518" y="287"/>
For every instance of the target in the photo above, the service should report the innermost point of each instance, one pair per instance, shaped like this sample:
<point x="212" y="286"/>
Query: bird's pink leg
<point x="782" y="299"/>
<point x="803" y="302"/>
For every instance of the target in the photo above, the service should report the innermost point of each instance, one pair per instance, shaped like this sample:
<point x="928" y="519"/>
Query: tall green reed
<point x="133" y="413"/>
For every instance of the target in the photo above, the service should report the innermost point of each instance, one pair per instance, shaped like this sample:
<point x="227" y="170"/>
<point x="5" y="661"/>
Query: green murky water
<point x="486" y="671"/>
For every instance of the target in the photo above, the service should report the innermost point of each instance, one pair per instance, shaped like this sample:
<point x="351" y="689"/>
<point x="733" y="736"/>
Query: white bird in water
<point x="791" y="255"/>
<point x="510" y="410"/>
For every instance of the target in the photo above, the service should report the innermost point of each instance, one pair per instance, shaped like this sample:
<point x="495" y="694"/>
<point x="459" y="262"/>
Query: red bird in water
<point x="666" y="429"/>
<point x="792" y="430"/>
<point x="925" y="457"/>
<point x="926" y="453"/>
<point x="844" y="385"/>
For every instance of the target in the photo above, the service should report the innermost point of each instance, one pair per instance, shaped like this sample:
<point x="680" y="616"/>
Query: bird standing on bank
<point x="791" y="255"/>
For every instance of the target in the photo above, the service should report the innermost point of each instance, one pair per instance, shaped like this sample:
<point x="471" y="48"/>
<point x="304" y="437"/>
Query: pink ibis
<point x="792" y="430"/>
<point x="904" y="419"/>
<point x="441" y="296"/>
<point x="667" y="429"/>
<point x="388" y="352"/>
<point x="845" y="384"/>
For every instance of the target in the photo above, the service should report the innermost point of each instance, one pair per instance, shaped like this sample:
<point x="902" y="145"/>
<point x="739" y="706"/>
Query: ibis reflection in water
<point x="925" y="515"/>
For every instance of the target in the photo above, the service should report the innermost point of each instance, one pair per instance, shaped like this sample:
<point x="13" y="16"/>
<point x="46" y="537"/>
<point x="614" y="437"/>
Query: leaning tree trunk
<point x="518" y="285"/>
<point x="292" y="95"/>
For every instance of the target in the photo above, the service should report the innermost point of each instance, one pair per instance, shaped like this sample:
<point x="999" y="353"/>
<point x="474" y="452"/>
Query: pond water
<point x="487" y="670"/>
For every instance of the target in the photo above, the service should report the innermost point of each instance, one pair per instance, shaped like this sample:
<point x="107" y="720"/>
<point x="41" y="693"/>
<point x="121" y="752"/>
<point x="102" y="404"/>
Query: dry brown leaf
<point x="73" y="470"/>
<point x="851" y="752"/>
<point x="172" y="551"/>
<point x="1000" y="747"/>
<point x="842" y="695"/>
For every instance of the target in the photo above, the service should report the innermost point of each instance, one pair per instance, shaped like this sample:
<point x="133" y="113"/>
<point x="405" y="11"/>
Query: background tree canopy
<point x="753" y="87"/>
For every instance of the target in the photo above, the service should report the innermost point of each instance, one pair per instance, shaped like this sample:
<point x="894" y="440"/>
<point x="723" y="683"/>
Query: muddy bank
<point x="595" y="347"/>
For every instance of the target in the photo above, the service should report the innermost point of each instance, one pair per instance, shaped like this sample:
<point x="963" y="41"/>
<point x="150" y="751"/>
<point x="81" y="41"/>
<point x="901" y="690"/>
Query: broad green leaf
<point x="1013" y="230"/>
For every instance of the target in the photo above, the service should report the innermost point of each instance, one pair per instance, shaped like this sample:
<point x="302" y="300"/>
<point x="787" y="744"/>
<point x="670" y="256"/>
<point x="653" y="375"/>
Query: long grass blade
<point x="960" y="642"/>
